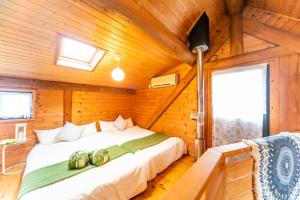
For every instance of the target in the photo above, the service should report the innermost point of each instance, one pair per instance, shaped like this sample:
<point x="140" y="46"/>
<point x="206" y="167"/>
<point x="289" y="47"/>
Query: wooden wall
<point x="288" y="77"/>
<point x="48" y="114"/>
<point x="285" y="98"/>
<point x="176" y="120"/>
<point x="88" y="106"/>
<point x="94" y="106"/>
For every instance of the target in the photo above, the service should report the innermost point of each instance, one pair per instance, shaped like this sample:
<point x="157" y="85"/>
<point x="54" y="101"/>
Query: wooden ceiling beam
<point x="147" y="23"/>
<point x="272" y="34"/>
<point x="235" y="9"/>
<point x="220" y="40"/>
<point x="11" y="82"/>
<point x="248" y="58"/>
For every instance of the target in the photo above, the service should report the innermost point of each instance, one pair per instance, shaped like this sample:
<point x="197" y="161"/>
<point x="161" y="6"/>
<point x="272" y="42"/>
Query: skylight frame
<point x="74" y="63"/>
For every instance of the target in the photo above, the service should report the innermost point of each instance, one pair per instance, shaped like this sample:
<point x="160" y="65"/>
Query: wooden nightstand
<point x="4" y="146"/>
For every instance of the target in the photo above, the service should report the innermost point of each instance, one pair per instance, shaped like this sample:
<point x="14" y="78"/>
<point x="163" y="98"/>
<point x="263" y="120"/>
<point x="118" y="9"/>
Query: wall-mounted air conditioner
<point x="165" y="81"/>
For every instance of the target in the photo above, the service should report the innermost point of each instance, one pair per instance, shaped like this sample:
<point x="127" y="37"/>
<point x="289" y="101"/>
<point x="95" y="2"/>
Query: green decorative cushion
<point x="78" y="160"/>
<point x="98" y="157"/>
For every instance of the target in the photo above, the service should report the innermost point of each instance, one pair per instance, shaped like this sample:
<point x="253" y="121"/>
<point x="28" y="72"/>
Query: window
<point x="239" y="93"/>
<point x="239" y="103"/>
<point x="16" y="104"/>
<point x="79" y="55"/>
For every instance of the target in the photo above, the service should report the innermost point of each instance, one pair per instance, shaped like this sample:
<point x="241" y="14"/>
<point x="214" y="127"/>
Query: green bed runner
<point x="142" y="143"/>
<point x="60" y="171"/>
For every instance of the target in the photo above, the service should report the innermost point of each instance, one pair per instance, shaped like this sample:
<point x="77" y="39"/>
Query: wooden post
<point x="67" y="106"/>
<point x="236" y="34"/>
<point x="235" y="9"/>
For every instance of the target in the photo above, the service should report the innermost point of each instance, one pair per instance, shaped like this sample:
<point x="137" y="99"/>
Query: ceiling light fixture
<point x="118" y="74"/>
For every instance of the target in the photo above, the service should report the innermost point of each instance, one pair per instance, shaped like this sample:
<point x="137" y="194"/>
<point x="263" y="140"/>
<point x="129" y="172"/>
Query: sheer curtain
<point x="239" y="102"/>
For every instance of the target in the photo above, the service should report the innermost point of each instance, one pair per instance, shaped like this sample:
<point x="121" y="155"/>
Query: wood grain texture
<point x="97" y="103"/>
<point x="289" y="99"/>
<point x="168" y="100"/>
<point x="198" y="179"/>
<point x="48" y="114"/>
<point x="168" y="12"/>
<point x="35" y="83"/>
<point x="272" y="34"/>
<point x="238" y="178"/>
<point x="276" y="20"/>
<point x="67" y="106"/>
<point x="202" y="178"/>
<point x="29" y="31"/>
<point x="290" y="8"/>
<point x="235" y="9"/>
<point x="236" y="34"/>
<point x="89" y="107"/>
<point x="176" y="119"/>
<point x="248" y="59"/>
<point x="158" y="187"/>
<point x="9" y="185"/>
<point x="149" y="24"/>
<point x="250" y="44"/>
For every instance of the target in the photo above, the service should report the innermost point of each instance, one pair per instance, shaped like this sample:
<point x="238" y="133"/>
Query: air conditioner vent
<point x="165" y="81"/>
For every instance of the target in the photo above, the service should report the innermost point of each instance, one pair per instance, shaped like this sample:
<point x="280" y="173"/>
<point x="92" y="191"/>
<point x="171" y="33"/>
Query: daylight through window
<point x="16" y="105"/>
<point x="79" y="55"/>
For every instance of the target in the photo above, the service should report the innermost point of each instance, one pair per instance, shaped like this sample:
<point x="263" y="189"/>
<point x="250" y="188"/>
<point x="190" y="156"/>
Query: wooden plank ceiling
<point x="285" y="7"/>
<point x="29" y="29"/>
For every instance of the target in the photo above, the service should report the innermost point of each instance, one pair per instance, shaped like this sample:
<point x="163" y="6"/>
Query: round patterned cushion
<point x="78" y="160"/>
<point x="98" y="157"/>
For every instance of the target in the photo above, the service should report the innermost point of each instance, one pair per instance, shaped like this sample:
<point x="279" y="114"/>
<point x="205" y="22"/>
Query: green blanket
<point x="57" y="172"/>
<point x="144" y="142"/>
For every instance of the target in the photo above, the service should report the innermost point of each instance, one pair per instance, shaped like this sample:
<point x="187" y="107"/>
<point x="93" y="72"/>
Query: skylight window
<point x="79" y="55"/>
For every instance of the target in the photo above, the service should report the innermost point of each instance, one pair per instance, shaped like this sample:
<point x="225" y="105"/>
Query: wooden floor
<point x="166" y="180"/>
<point x="9" y="185"/>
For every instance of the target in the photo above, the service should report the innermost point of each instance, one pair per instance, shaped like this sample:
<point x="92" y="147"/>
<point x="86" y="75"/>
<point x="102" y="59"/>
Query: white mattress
<point x="122" y="178"/>
<point x="156" y="158"/>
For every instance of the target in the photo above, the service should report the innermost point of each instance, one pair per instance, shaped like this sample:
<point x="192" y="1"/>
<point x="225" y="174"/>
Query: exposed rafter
<point x="149" y="24"/>
<point x="269" y="53"/>
<point x="235" y="9"/>
<point x="273" y="35"/>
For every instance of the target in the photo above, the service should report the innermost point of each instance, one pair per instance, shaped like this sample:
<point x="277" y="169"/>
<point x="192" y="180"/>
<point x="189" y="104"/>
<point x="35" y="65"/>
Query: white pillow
<point x="70" y="132"/>
<point x="47" y="136"/>
<point x="107" y="126"/>
<point x="129" y="122"/>
<point x="120" y="123"/>
<point x="88" y="129"/>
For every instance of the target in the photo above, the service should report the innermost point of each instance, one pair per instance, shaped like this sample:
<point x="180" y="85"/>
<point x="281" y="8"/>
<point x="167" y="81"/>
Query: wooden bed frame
<point x="224" y="172"/>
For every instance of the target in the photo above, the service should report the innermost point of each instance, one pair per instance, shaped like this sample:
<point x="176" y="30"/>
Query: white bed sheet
<point x="122" y="178"/>
<point x="156" y="158"/>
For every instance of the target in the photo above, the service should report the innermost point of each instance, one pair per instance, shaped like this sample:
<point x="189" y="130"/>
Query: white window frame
<point x="33" y="104"/>
<point x="75" y="63"/>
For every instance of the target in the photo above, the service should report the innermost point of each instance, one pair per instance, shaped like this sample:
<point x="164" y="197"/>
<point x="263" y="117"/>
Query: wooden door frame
<point x="274" y="97"/>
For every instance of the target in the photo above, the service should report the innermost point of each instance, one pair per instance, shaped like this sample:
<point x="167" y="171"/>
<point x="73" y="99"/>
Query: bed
<point x="156" y="158"/>
<point x="122" y="178"/>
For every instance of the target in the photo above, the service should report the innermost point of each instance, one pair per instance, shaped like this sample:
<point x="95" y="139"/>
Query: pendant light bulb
<point x="118" y="74"/>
